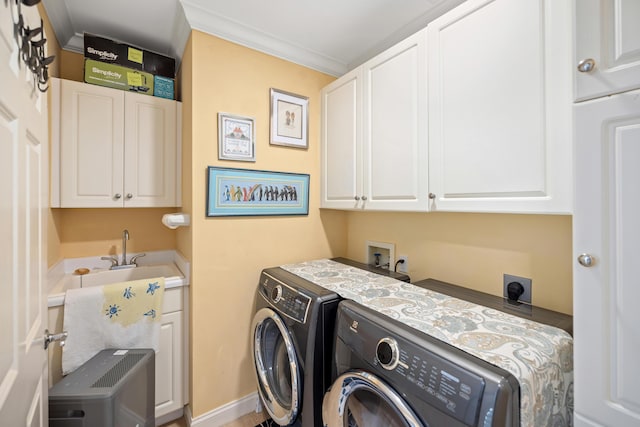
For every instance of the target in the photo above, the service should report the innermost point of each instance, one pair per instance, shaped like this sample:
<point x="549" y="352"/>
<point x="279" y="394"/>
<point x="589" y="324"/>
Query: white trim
<point x="236" y="32"/>
<point x="225" y="413"/>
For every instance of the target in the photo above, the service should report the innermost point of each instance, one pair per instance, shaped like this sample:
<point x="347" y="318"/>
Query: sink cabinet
<point x="171" y="357"/>
<point x="112" y="148"/>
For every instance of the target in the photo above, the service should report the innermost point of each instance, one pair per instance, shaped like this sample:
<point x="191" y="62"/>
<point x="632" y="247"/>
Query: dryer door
<point x="277" y="368"/>
<point x="358" y="398"/>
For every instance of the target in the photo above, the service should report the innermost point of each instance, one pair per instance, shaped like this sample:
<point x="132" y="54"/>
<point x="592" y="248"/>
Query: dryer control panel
<point x="285" y="299"/>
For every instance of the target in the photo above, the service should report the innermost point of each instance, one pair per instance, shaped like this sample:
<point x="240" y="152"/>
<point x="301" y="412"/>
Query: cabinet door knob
<point x="357" y="198"/>
<point x="586" y="65"/>
<point x="364" y="197"/>
<point x="118" y="195"/>
<point x="432" y="196"/>
<point x="586" y="260"/>
<point x="129" y="195"/>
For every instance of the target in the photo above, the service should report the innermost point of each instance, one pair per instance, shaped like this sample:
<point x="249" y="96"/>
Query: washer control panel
<point x="456" y="391"/>
<point x="287" y="300"/>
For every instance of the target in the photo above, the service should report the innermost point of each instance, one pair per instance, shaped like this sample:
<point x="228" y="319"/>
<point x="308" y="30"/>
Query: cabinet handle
<point x="432" y="196"/>
<point x="586" y="65"/>
<point x="129" y="196"/>
<point x="586" y="260"/>
<point x="357" y="198"/>
<point x="118" y="195"/>
<point x="364" y="197"/>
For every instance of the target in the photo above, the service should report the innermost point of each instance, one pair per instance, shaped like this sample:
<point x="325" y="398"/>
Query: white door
<point x="23" y="203"/>
<point x="150" y="151"/>
<point x="607" y="47"/>
<point x="395" y="175"/>
<point x="91" y="146"/>
<point x="342" y="142"/>
<point x="606" y="232"/>
<point x="500" y="107"/>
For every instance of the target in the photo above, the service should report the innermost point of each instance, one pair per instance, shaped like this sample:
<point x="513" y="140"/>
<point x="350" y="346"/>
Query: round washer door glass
<point x="361" y="399"/>
<point x="276" y="366"/>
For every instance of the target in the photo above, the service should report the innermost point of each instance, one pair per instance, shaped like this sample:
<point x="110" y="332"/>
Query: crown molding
<point x="220" y="26"/>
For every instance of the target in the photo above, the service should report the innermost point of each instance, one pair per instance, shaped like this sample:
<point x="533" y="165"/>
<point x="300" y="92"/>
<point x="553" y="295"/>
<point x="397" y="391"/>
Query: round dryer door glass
<point x="358" y="398"/>
<point x="276" y="366"/>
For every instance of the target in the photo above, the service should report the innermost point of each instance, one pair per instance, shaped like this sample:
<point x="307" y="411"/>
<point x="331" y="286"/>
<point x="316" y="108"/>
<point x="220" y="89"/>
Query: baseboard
<point x="225" y="413"/>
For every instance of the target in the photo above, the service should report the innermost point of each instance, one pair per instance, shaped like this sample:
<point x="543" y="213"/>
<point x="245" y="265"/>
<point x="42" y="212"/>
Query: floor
<point x="250" y="420"/>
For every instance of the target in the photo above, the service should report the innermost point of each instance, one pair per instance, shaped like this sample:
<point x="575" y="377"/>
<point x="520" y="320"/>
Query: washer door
<point x="277" y="368"/>
<point x="358" y="398"/>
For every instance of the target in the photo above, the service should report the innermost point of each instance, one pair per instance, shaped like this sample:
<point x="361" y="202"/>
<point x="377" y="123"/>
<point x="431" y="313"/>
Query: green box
<point x="117" y="77"/>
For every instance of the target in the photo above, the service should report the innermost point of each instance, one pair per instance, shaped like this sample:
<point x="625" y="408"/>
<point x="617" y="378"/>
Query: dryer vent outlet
<point x="516" y="289"/>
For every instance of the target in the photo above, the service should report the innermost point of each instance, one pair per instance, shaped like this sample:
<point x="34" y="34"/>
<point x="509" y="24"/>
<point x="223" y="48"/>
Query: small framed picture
<point x="236" y="138"/>
<point x="289" y="119"/>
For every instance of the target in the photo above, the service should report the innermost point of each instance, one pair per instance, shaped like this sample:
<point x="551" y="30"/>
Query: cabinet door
<point x="500" y="107"/>
<point x="395" y="128"/>
<point x="341" y="186"/>
<point x="607" y="32"/>
<point x="150" y="151"/>
<point x="91" y="145"/>
<point x="169" y="381"/>
<point x="606" y="294"/>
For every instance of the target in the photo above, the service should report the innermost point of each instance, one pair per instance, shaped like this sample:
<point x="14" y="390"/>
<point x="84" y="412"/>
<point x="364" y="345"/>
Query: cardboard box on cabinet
<point x="109" y="51"/>
<point x="118" y="77"/>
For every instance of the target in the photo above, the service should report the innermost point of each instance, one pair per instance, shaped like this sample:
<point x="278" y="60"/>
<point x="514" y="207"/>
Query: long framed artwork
<point x="245" y="192"/>
<point x="289" y="119"/>
<point x="236" y="139"/>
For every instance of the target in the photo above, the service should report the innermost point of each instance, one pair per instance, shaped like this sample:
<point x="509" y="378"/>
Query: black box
<point x="109" y="51"/>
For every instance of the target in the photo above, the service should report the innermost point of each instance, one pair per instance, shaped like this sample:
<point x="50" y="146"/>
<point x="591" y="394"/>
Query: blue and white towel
<point x="120" y="315"/>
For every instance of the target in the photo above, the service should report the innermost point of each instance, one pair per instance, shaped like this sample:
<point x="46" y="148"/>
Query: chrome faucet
<point x="125" y="237"/>
<point x="123" y="264"/>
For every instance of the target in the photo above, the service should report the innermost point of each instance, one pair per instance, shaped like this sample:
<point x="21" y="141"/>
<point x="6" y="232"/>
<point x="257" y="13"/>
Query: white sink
<point x="173" y="277"/>
<point x="105" y="277"/>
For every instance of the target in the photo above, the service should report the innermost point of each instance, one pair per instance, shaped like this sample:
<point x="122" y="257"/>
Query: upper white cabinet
<point x="607" y="50"/>
<point x="341" y="185"/>
<point x="374" y="134"/>
<point x="500" y="107"/>
<point x="112" y="148"/>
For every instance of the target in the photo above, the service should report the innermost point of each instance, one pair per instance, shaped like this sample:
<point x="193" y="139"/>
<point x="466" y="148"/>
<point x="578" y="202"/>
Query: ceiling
<point x="332" y="36"/>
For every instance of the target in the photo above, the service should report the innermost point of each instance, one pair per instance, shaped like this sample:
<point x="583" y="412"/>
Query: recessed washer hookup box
<point x="117" y="77"/>
<point x="112" y="52"/>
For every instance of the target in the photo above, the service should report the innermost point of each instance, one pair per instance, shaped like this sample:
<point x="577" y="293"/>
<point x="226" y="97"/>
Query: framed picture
<point x="236" y="138"/>
<point x="244" y="192"/>
<point x="289" y="119"/>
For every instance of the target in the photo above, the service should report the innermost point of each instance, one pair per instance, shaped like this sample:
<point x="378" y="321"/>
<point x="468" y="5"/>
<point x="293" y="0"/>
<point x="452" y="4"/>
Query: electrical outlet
<point x="525" y="282"/>
<point x="403" y="267"/>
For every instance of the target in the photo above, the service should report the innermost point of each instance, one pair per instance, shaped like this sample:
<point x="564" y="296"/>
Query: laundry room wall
<point x="228" y="253"/>
<point x="475" y="250"/>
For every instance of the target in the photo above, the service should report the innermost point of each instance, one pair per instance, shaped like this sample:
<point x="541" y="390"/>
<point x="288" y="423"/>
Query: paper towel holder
<point x="175" y="220"/>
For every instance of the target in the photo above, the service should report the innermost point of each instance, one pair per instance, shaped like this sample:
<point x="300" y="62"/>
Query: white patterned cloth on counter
<point x="120" y="315"/>
<point x="538" y="355"/>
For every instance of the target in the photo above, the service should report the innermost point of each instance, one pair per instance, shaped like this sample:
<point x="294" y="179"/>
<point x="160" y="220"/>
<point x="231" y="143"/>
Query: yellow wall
<point x="228" y="253"/>
<point x="475" y="250"/>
